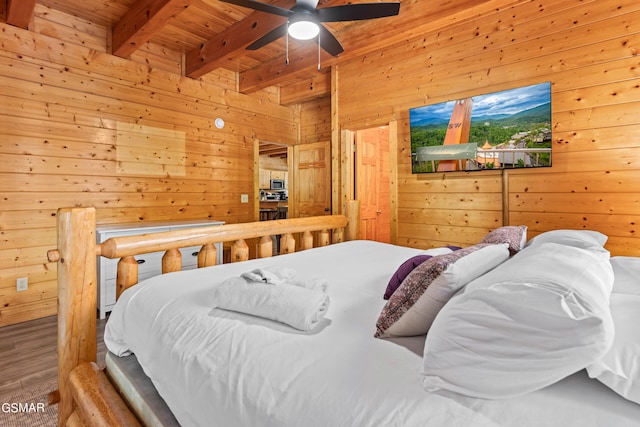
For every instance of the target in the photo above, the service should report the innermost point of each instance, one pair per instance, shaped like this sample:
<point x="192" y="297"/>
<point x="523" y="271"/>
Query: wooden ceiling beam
<point x="314" y="87"/>
<point x="20" y="12"/>
<point x="141" y="22"/>
<point x="232" y="43"/>
<point x="277" y="71"/>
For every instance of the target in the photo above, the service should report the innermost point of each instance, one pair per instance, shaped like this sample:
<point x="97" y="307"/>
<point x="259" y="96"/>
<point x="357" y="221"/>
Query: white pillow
<point x="619" y="369"/>
<point x="586" y="239"/>
<point x="626" y="270"/>
<point x="533" y="320"/>
<point x="413" y="306"/>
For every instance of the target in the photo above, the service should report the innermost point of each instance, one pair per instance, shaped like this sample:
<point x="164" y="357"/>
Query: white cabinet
<point x="148" y="264"/>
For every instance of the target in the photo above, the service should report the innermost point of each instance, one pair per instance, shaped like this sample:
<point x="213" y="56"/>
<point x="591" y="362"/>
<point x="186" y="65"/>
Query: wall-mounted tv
<point x="500" y="130"/>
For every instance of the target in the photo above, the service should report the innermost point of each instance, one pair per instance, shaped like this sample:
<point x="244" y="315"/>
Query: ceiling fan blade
<point x="262" y="7"/>
<point x="329" y="43"/>
<point x="269" y="37"/>
<point x="356" y="12"/>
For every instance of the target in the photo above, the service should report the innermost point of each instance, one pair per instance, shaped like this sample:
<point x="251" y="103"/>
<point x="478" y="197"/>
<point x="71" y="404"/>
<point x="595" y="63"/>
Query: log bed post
<point x="77" y="296"/>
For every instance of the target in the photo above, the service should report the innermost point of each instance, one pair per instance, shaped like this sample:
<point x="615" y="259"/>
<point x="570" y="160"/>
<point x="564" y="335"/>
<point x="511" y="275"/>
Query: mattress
<point x="219" y="368"/>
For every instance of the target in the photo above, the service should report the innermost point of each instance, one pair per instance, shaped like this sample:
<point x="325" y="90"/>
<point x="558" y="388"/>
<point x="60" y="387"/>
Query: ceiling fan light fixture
<point x="303" y="25"/>
<point x="303" y="30"/>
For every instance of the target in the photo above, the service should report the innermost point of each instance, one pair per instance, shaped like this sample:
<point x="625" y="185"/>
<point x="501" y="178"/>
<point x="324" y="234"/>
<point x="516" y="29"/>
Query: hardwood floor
<point x="28" y="353"/>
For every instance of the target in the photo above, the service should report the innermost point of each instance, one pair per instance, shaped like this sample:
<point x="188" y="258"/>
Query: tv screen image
<point x="500" y="130"/>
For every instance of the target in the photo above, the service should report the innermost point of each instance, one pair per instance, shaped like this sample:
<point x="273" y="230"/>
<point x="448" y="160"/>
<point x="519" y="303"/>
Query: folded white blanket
<point x="270" y="275"/>
<point x="296" y="306"/>
<point x="282" y="275"/>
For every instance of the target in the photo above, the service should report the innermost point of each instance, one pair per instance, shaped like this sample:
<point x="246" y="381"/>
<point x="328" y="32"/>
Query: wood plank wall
<point x="588" y="50"/>
<point x="61" y="104"/>
<point x="315" y="120"/>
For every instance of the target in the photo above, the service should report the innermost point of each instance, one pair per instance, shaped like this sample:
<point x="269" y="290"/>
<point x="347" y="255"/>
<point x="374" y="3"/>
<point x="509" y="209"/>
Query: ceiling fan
<point x="304" y="20"/>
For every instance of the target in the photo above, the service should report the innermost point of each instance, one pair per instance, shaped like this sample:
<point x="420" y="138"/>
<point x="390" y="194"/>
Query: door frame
<point x="256" y="177"/>
<point x="348" y="173"/>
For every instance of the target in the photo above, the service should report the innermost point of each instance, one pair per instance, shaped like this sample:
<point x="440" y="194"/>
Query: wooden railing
<point x="77" y="293"/>
<point x="328" y="229"/>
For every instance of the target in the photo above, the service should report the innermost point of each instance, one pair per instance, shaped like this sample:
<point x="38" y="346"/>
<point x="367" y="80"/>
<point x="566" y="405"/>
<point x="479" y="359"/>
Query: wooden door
<point x="372" y="183"/>
<point x="312" y="184"/>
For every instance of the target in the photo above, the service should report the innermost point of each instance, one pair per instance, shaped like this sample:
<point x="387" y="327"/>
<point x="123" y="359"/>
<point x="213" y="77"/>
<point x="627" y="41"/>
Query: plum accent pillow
<point x="413" y="306"/>
<point x="514" y="235"/>
<point x="402" y="272"/>
<point x="407" y="267"/>
<point x="585" y="239"/>
<point x="619" y="369"/>
<point x="535" y="319"/>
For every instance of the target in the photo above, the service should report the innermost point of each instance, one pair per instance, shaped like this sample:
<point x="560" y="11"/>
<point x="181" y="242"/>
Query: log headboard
<point x="85" y="395"/>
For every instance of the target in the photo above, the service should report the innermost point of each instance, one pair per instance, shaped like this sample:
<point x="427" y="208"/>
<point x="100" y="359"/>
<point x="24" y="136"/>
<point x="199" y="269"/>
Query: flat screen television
<point x="500" y="130"/>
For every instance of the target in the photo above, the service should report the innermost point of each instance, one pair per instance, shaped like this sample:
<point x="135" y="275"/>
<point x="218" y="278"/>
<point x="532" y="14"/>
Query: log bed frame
<point x="85" y="395"/>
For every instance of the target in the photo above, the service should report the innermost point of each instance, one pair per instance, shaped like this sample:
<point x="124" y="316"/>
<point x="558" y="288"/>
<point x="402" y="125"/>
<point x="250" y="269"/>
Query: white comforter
<point x="218" y="368"/>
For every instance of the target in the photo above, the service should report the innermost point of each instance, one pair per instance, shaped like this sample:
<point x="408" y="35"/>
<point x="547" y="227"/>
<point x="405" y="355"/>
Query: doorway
<point x="273" y="180"/>
<point x="372" y="182"/>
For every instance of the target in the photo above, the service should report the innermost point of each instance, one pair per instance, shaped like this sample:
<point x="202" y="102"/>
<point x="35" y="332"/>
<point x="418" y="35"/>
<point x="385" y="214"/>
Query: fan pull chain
<point x="286" y="61"/>
<point x="319" y="50"/>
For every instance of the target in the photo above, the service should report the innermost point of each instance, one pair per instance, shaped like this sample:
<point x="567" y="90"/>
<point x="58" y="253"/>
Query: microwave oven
<point x="277" y="184"/>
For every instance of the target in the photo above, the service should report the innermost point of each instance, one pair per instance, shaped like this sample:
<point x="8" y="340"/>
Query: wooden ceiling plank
<point x="141" y="22"/>
<point x="20" y="12"/>
<point x="231" y="43"/>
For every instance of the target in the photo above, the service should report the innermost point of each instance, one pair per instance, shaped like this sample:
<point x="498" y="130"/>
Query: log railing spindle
<point x="171" y="261"/>
<point x="207" y="256"/>
<point x="323" y="238"/>
<point x="265" y="247"/>
<point x="127" y="274"/>
<point x="239" y="251"/>
<point x="307" y="240"/>
<point x="287" y="244"/>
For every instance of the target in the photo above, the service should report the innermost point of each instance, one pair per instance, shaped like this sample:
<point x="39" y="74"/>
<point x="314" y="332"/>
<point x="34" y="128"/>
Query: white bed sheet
<point x="216" y="368"/>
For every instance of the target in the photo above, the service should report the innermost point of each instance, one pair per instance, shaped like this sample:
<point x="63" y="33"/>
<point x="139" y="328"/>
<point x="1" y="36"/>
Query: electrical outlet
<point x="22" y="284"/>
<point x="244" y="198"/>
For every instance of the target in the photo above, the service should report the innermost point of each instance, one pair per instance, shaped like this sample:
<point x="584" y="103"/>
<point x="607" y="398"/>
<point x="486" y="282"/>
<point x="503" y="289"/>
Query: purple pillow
<point x="402" y="272"/>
